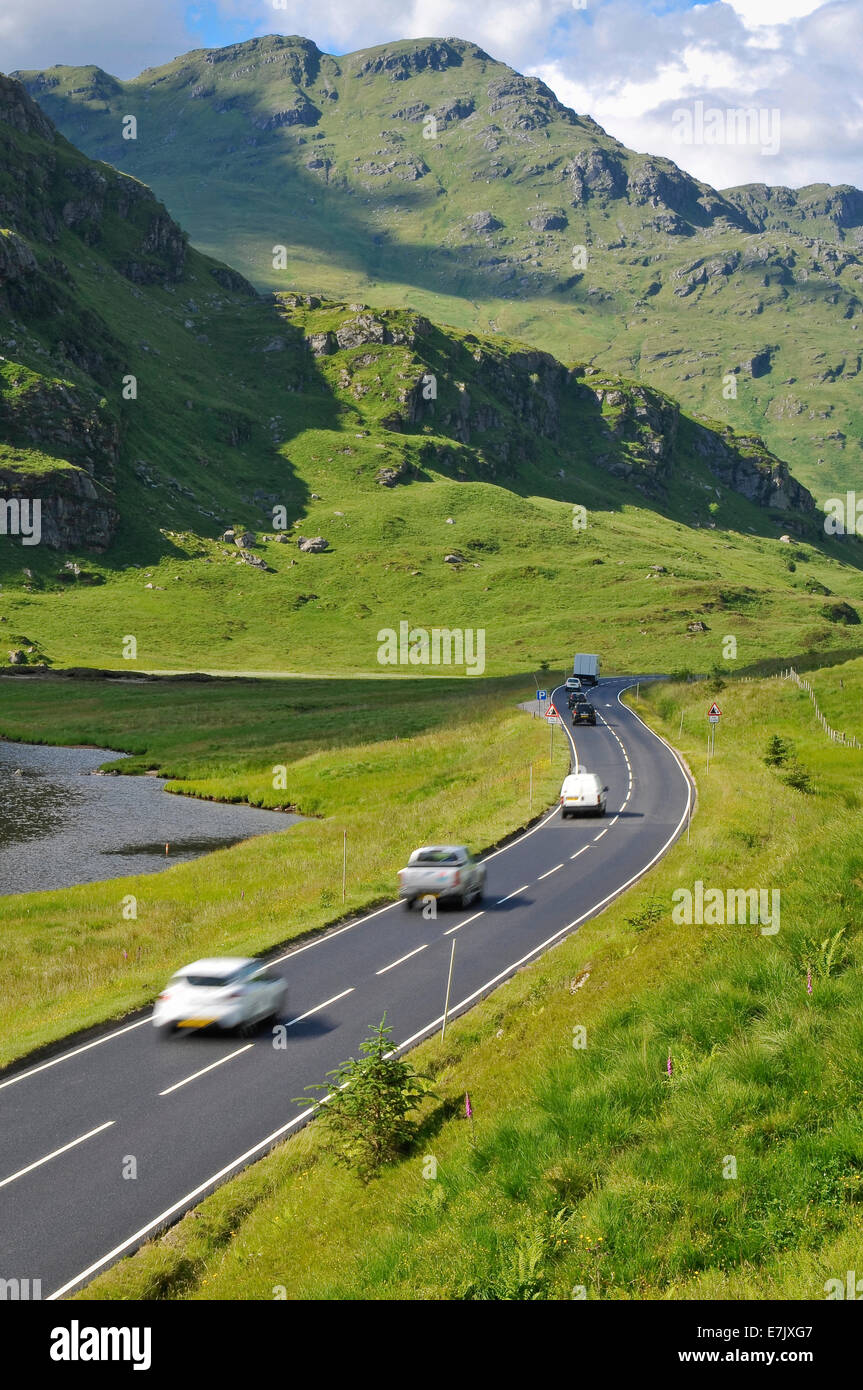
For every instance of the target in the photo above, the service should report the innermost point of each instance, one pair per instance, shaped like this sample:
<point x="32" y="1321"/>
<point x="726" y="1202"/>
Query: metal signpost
<point x="714" y="714"/>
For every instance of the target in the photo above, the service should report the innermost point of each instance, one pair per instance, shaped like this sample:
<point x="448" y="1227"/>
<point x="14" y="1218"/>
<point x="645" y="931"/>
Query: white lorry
<point x="586" y="668"/>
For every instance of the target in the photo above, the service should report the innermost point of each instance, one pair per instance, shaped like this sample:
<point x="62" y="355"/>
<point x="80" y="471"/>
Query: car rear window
<point x="215" y="981"/>
<point x="437" y="856"/>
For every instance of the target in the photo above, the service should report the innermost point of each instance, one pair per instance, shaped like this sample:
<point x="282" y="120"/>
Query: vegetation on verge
<point x="595" y="1171"/>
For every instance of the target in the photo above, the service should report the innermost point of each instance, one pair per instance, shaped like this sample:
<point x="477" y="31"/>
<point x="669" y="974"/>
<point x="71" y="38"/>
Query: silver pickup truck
<point x="442" y="871"/>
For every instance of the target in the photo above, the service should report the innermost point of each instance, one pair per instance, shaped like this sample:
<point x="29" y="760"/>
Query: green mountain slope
<point x="455" y="479"/>
<point x="692" y="290"/>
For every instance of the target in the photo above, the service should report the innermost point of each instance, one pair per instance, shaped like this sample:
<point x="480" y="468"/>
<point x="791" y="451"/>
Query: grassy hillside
<point x="329" y="158"/>
<point x="570" y="501"/>
<point x="739" y="1176"/>
<point x="393" y="765"/>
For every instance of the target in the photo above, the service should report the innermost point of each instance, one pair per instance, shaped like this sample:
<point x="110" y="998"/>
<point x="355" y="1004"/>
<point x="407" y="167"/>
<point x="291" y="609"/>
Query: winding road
<point x="194" y="1111"/>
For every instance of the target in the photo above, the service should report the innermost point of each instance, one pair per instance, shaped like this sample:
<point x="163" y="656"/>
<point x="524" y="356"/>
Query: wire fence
<point x="789" y="674"/>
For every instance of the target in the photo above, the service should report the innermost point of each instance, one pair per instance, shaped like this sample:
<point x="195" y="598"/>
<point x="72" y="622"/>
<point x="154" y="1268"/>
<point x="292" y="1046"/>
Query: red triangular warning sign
<point x="714" y="710"/>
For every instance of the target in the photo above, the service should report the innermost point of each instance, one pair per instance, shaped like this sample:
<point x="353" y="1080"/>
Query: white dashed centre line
<point x="464" y="923"/>
<point x="579" y="851"/>
<point x="550" y="871"/>
<point x="392" y="965"/>
<point x="614" y="822"/>
<point x="56" y="1153"/>
<point x="522" y="889"/>
<point x="318" y="1007"/>
<point x="600" y="835"/>
<point x="195" y="1074"/>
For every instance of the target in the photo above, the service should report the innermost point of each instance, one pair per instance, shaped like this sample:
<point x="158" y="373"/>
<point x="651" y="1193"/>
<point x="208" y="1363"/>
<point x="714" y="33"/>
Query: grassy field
<point x="497" y="468"/>
<point x="594" y="1173"/>
<point x="394" y="763"/>
<point x="532" y="583"/>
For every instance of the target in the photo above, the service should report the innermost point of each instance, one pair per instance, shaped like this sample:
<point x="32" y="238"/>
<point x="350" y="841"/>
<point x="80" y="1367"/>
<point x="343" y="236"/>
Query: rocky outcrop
<point x="744" y="463"/>
<point x="20" y="111"/>
<point x="76" y="513"/>
<point x="399" y="62"/>
<point x="54" y="418"/>
<point x="549" y="220"/>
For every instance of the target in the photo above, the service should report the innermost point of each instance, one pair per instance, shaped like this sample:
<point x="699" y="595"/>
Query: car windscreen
<point x="212" y="981"/>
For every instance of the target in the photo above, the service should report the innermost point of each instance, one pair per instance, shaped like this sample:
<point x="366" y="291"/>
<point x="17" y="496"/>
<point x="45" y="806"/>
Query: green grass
<point x="394" y="763"/>
<point x="513" y="442"/>
<point x="591" y="1168"/>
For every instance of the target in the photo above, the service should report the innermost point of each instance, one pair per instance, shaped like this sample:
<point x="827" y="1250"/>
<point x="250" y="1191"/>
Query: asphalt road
<point x="193" y="1111"/>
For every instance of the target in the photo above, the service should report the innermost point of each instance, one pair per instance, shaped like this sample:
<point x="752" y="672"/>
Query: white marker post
<point x="448" y="988"/>
<point x="344" y="864"/>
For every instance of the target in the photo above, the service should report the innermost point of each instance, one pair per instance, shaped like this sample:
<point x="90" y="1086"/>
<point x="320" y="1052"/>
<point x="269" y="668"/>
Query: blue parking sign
<point x="542" y="694"/>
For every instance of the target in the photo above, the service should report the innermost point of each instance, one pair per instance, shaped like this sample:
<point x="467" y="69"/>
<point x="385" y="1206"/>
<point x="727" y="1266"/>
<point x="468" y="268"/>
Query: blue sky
<point x="634" y="65"/>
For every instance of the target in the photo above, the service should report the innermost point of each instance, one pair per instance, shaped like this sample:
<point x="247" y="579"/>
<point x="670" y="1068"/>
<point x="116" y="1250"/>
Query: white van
<point x="582" y="793"/>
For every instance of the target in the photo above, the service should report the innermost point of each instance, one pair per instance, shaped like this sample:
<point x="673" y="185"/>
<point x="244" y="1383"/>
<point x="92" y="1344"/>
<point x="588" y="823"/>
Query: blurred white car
<point x="225" y="992"/>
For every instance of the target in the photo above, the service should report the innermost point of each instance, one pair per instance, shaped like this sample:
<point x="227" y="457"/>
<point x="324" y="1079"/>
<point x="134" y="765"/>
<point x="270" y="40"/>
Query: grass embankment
<point x="592" y="1168"/>
<point x="394" y="763"/>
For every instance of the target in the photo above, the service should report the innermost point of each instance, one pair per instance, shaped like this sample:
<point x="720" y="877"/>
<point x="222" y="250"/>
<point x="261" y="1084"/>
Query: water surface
<point x="60" y="824"/>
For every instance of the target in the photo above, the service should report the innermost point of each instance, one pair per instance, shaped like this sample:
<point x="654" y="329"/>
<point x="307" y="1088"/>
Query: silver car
<point x="442" y="871"/>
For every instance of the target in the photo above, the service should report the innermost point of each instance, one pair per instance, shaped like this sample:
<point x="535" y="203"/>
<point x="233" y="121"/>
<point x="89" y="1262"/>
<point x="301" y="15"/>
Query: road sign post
<point x="714" y="714"/>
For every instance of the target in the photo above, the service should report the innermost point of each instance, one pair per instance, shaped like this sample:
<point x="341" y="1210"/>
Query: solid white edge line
<point x="304" y="1115"/>
<point x="177" y="1206"/>
<point x="392" y="965"/>
<point x="591" y="912"/>
<point x="43" y="1066"/>
<point x="277" y="960"/>
<point x="318" y="1007"/>
<point x="329" y="935"/>
<point x="56" y="1153"/>
<point x="195" y="1074"/>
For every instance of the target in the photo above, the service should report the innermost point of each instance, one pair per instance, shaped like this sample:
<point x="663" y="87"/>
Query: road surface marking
<point x="43" y="1066"/>
<point x="394" y="963"/>
<point x="614" y="822"/>
<point x="522" y="889"/>
<point x="550" y="871"/>
<point x="306" y="1114"/>
<point x="464" y="923"/>
<point x="195" y="1074"/>
<point x="600" y="835"/>
<point x="328" y="935"/>
<point x="562" y="931"/>
<point x="579" y="851"/>
<point x="318" y="1007"/>
<point x="56" y="1153"/>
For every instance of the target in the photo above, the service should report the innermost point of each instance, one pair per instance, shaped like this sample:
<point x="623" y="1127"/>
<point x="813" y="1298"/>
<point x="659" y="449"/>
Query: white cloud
<point x="628" y="63"/>
<point x="121" y="36"/>
<point x="633" y="77"/>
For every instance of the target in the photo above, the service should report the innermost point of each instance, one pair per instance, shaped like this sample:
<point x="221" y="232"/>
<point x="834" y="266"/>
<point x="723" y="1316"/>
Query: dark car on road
<point x="583" y="711"/>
